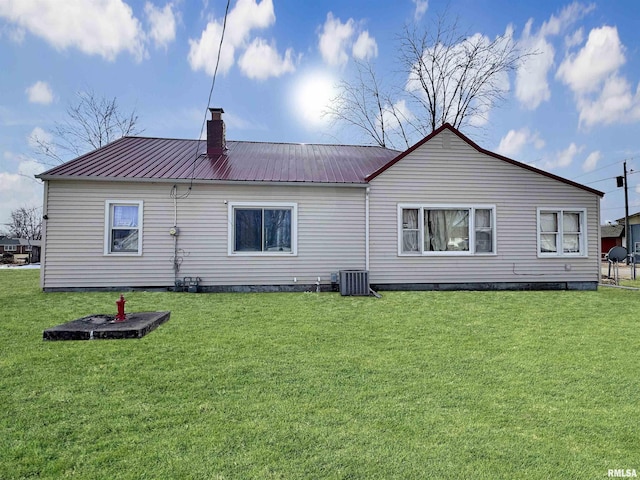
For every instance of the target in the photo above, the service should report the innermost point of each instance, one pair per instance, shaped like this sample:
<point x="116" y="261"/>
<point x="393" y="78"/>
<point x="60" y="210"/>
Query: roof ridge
<point x="146" y="137"/>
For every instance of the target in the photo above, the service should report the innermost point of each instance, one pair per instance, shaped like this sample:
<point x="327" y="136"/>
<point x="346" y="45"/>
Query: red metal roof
<point x="172" y="159"/>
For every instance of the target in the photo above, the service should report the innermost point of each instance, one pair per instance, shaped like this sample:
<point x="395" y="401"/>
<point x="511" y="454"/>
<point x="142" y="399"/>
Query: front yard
<point x="495" y="385"/>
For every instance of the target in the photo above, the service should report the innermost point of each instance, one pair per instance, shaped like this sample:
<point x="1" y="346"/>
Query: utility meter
<point x="174" y="231"/>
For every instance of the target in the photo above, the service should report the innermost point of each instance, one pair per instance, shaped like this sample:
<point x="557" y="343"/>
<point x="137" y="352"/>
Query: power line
<point x="213" y="83"/>
<point x="605" y="166"/>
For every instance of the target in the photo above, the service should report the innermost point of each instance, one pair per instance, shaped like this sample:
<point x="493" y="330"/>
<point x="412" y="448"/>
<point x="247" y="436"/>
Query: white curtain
<point x="570" y="230"/>
<point x="548" y="232"/>
<point x="125" y="215"/>
<point x="446" y="230"/>
<point x="410" y="232"/>
<point x="571" y="222"/>
<point x="483" y="218"/>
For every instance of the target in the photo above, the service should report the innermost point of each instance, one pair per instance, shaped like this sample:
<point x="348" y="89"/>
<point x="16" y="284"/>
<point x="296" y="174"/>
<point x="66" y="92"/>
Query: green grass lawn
<point x="495" y="385"/>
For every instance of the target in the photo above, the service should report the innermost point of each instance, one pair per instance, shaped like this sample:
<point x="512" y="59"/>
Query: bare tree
<point x="366" y="105"/>
<point x="447" y="76"/>
<point x="91" y="123"/>
<point x="26" y="222"/>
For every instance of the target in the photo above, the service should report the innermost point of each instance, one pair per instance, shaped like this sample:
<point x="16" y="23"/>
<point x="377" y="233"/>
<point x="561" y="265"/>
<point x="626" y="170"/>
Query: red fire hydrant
<point x="121" y="317"/>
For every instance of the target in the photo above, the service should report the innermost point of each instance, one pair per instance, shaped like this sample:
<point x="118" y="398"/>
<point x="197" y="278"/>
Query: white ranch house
<point x="445" y="214"/>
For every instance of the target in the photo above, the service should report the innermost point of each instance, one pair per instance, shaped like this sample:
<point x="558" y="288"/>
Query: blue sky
<point x="573" y="109"/>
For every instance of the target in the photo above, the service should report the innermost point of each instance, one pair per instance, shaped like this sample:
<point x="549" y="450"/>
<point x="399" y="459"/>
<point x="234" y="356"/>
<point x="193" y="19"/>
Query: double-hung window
<point x="263" y="228"/>
<point x="561" y="232"/>
<point x="123" y="227"/>
<point x="10" y="248"/>
<point x="446" y="230"/>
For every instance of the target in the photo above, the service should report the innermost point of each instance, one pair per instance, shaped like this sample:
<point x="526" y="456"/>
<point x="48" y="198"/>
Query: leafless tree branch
<point x="26" y="222"/>
<point x="91" y="123"/>
<point x="449" y="76"/>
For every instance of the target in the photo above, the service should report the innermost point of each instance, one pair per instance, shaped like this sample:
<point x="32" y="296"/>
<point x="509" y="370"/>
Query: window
<point x="263" y="229"/>
<point x="10" y="248"/>
<point x="27" y="248"/>
<point x="446" y="230"/>
<point x="561" y="232"/>
<point x="123" y="228"/>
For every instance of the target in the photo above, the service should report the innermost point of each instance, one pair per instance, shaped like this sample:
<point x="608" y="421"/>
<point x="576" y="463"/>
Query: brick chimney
<point x="216" y="143"/>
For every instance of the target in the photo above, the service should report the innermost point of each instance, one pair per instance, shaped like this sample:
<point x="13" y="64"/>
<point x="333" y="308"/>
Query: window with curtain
<point x="561" y="232"/>
<point x="263" y="229"/>
<point x="123" y="222"/>
<point x="432" y="229"/>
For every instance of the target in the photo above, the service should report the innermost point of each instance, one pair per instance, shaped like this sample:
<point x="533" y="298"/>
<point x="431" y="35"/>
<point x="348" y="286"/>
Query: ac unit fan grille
<point x="354" y="282"/>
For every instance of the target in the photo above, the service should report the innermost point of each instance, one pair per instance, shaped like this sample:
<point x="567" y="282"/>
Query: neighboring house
<point x="9" y="245"/>
<point x="634" y="231"/>
<point x="445" y="214"/>
<point x="23" y="250"/>
<point x="611" y="236"/>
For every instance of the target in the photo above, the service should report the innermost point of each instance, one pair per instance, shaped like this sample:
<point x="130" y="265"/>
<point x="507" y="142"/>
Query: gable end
<point x="474" y="145"/>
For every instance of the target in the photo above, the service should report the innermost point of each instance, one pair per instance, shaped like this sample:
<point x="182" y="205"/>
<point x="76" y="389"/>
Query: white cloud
<point x="576" y="38"/>
<point x="162" y="24"/>
<point x="20" y="189"/>
<point x="567" y="16"/>
<point x="14" y="33"/>
<point x="532" y="85"/>
<point x="203" y="53"/>
<point x="515" y="140"/>
<point x="335" y="38"/>
<point x="614" y="103"/>
<point x="246" y="16"/>
<point x="563" y="158"/>
<point x="40" y="92"/>
<point x="602" y="94"/>
<point x="261" y="61"/>
<point x="392" y="116"/>
<point x="592" y="161"/>
<point x="95" y="27"/>
<point x="421" y="8"/>
<point x="38" y="135"/>
<point x="365" y="47"/>
<point x="602" y="55"/>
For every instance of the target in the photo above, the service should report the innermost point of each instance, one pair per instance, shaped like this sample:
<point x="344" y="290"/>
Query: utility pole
<point x="627" y="232"/>
<point x="622" y="182"/>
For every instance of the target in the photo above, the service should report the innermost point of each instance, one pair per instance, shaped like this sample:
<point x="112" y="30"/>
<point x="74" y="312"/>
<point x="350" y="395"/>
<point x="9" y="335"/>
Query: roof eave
<point x="199" y="181"/>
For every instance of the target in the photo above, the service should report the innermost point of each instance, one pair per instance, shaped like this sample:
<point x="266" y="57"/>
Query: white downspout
<point x="43" y="234"/>
<point x="366" y="229"/>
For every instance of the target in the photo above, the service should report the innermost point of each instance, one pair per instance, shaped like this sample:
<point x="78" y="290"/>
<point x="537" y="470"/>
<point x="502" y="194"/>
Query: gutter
<point x="200" y="181"/>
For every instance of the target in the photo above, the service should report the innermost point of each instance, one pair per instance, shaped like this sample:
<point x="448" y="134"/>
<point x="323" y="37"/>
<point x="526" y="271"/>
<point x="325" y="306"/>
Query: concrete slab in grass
<point x="103" y="327"/>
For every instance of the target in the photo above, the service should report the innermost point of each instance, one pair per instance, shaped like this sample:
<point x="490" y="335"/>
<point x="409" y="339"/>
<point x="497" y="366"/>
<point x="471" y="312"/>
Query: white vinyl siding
<point x="435" y="174"/>
<point x="330" y="235"/>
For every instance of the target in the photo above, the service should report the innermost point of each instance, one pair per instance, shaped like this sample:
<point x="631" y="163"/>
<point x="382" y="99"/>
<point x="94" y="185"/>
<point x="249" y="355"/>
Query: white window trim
<point x="472" y="244"/>
<point x="231" y="228"/>
<point x="10" y="248"/>
<point x="583" y="238"/>
<point x="107" y="227"/>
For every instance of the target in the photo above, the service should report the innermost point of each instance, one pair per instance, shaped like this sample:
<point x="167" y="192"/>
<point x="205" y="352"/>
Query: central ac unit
<point x="354" y="282"/>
